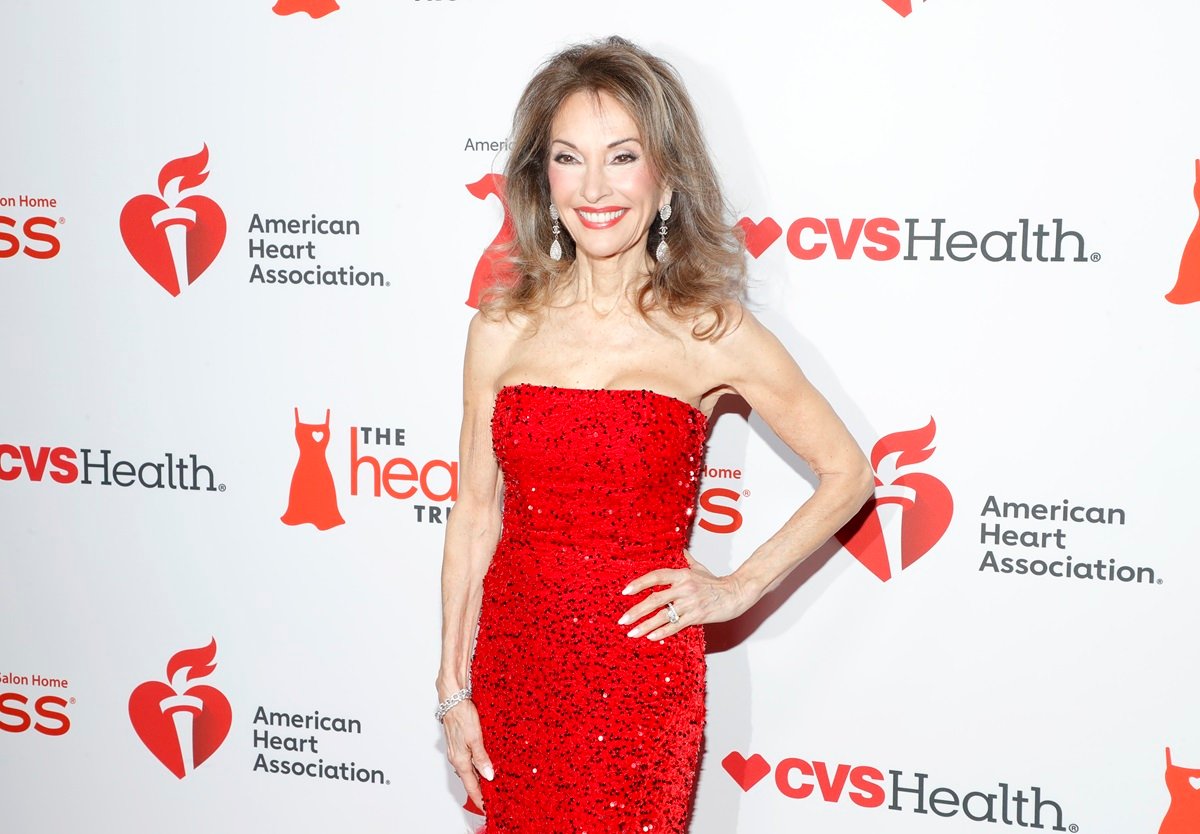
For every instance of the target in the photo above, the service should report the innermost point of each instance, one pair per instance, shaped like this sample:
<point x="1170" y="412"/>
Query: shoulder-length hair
<point x="705" y="264"/>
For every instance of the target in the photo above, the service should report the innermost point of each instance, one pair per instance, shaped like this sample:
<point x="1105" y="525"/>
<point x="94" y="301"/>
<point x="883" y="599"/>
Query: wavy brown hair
<point x="705" y="265"/>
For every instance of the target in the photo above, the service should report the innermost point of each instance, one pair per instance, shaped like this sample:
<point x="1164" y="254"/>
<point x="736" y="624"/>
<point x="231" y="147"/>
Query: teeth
<point x="601" y="217"/>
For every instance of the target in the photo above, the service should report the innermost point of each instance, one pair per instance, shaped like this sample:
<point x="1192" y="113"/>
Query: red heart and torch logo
<point x="909" y="512"/>
<point x="172" y="236"/>
<point x="182" y="725"/>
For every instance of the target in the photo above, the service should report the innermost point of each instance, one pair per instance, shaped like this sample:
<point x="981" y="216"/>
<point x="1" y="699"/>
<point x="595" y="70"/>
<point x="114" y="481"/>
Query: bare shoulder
<point x="490" y="339"/>
<point x="739" y="336"/>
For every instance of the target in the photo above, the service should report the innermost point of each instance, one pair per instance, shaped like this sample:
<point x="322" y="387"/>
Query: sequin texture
<point x="589" y="730"/>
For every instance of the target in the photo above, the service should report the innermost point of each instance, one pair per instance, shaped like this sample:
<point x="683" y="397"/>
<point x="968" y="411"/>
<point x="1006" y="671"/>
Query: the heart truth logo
<point x="1187" y="285"/>
<point x="312" y="8"/>
<point x="313" y="496"/>
<point x="375" y="471"/>
<point x="909" y="512"/>
<point x="900" y="7"/>
<point x="182" y="725"/>
<point x="1183" y="816"/>
<point x="173" y="237"/>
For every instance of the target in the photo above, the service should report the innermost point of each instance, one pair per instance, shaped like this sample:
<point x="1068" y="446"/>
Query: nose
<point x="595" y="184"/>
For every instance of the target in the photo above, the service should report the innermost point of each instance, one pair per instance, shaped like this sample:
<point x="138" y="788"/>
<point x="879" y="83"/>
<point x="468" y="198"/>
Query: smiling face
<point x="601" y="180"/>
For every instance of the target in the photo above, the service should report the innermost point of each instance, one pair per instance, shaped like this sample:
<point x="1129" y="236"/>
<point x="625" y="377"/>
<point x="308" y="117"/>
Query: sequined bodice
<point x="589" y="466"/>
<point x="588" y="729"/>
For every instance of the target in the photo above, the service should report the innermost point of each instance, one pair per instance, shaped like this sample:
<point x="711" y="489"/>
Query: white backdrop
<point x="845" y="124"/>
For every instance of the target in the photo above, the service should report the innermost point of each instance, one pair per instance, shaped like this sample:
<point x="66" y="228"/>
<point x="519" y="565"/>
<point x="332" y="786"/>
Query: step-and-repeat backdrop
<point x="239" y="246"/>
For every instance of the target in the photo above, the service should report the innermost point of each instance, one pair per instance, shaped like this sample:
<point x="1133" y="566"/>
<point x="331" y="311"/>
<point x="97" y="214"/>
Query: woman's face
<point x="600" y="177"/>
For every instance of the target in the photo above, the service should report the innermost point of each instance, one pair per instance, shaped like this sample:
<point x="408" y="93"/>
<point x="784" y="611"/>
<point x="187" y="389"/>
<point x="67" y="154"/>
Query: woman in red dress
<point x="572" y="676"/>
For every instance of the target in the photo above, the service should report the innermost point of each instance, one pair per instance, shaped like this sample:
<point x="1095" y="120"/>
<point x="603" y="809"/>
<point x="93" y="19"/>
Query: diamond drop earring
<point x="664" y="214"/>
<point x="555" y="247"/>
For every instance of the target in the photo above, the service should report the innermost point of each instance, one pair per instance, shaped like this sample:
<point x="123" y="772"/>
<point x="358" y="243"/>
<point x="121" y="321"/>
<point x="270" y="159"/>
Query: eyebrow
<point x="610" y="144"/>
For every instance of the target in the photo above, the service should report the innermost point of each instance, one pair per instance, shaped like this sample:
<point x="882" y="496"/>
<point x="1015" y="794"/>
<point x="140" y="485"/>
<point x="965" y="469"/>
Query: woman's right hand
<point x="464" y="749"/>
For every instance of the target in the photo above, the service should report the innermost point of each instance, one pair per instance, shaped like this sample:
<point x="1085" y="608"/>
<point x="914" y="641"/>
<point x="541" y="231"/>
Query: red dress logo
<point x="313" y="8"/>
<point x="493" y="267"/>
<point x="917" y="506"/>
<point x="1187" y="285"/>
<point x="313" y="498"/>
<point x="1183" y="816"/>
<point x="181" y="726"/>
<point x="900" y="7"/>
<point x="173" y="237"/>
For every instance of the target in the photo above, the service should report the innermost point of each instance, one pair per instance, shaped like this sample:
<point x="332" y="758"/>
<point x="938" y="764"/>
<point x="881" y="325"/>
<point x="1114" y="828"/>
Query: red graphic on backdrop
<point x="313" y="497"/>
<point x="182" y="727"/>
<point x="923" y="506"/>
<point x="492" y="268"/>
<point x="760" y="235"/>
<point x="901" y="7"/>
<point x="746" y="772"/>
<point x="1187" y="285"/>
<point x="1183" y="816"/>
<point x="175" y="238"/>
<point x="313" y="8"/>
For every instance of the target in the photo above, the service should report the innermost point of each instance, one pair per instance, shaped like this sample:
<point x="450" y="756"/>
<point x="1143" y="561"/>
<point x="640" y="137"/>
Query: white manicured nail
<point x="488" y="773"/>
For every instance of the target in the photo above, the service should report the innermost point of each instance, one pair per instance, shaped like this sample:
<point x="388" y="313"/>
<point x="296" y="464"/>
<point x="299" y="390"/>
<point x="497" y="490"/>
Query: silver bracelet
<point x="451" y="702"/>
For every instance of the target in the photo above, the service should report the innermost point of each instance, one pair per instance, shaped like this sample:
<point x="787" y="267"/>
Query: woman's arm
<point x="752" y="362"/>
<point x="471" y="535"/>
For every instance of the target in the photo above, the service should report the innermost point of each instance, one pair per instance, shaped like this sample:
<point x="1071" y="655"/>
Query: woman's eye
<point x="625" y="157"/>
<point x="563" y="158"/>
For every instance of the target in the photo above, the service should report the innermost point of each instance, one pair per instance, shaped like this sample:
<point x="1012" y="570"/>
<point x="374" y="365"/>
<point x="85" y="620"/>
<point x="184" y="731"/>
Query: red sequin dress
<point x="590" y="731"/>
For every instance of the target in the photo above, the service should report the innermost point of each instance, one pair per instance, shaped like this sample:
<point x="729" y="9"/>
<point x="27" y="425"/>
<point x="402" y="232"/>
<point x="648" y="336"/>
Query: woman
<point x="587" y="389"/>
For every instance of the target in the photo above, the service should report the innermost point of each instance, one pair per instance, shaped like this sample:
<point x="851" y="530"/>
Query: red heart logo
<point x="924" y="523"/>
<point x="149" y="245"/>
<point x="156" y="728"/>
<point x="746" y="772"/>
<point x="759" y="235"/>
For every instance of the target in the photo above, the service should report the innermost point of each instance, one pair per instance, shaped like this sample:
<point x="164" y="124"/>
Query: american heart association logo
<point x="918" y="507"/>
<point x="181" y="726"/>
<point x="171" y="236"/>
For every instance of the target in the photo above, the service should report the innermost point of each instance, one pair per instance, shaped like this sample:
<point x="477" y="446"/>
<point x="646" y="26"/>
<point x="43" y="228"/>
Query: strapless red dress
<point x="590" y="731"/>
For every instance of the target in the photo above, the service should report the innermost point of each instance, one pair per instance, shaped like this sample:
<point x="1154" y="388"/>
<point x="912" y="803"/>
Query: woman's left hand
<point x="697" y="595"/>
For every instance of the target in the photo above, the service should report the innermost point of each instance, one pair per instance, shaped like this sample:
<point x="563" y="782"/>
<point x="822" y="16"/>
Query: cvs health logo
<point x="886" y="239"/>
<point x="910" y="510"/>
<point x="867" y="787"/>
<point x="173" y="237"/>
<point x="182" y="725"/>
<point x="312" y="8"/>
<point x="1187" y="285"/>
